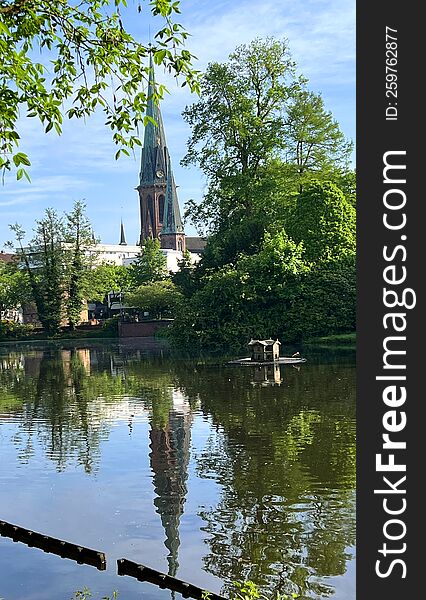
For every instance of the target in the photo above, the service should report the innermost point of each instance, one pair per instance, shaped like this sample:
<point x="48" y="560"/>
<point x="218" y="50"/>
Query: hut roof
<point x="264" y="342"/>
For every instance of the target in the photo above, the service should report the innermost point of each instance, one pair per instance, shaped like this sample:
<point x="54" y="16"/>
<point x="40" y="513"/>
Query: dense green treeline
<point x="279" y="209"/>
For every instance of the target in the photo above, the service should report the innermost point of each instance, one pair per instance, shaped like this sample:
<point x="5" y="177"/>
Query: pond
<point x="205" y="471"/>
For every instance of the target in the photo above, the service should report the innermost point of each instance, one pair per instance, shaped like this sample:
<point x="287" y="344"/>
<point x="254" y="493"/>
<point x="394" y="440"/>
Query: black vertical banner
<point x="391" y="435"/>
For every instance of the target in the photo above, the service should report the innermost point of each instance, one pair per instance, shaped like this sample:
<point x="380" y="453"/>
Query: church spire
<point x="122" y="235"/>
<point x="154" y="142"/>
<point x="159" y="205"/>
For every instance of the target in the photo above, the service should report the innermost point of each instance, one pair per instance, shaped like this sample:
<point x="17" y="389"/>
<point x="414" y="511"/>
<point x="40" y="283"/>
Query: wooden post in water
<point x="143" y="573"/>
<point x="46" y="543"/>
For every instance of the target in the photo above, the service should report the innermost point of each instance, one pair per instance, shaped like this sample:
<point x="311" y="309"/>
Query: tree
<point x="248" y="299"/>
<point x="43" y="261"/>
<point x="56" y="262"/>
<point x="90" y="61"/>
<point x="314" y="143"/>
<point x="14" y="287"/>
<point x="184" y="276"/>
<point x="159" y="298"/>
<point x="257" y="133"/>
<point x="150" y="265"/>
<point x="238" y="125"/>
<point x="79" y="241"/>
<point x="106" y="278"/>
<point x="324" y="302"/>
<point x="324" y="221"/>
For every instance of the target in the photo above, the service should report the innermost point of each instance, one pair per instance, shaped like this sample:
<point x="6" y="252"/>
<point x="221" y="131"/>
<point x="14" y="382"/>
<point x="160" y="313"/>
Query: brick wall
<point x="143" y="329"/>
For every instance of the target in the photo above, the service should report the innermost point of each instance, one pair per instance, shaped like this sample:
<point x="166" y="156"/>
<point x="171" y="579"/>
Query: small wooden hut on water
<point x="264" y="350"/>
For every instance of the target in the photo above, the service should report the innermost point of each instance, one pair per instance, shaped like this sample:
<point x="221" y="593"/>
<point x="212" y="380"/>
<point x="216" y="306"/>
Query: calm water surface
<point x="209" y="472"/>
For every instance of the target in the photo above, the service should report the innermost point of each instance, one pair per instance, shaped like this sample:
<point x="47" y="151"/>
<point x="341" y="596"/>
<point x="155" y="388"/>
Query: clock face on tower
<point x="159" y="173"/>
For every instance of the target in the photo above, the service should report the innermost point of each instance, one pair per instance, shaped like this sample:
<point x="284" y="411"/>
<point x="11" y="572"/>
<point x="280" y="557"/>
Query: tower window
<point x="161" y="208"/>
<point x="151" y="210"/>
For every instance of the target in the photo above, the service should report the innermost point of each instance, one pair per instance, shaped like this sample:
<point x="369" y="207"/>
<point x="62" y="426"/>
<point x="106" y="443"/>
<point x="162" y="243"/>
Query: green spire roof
<point x="154" y="143"/>
<point x="156" y="168"/>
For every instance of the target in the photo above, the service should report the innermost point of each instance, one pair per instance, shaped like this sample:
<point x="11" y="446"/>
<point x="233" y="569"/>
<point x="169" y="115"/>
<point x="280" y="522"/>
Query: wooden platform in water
<point x="285" y="360"/>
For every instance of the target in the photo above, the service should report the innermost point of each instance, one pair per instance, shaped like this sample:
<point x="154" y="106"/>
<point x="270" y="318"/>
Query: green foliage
<point x="88" y="57"/>
<point x="85" y="594"/>
<point x="10" y="330"/>
<point x="79" y="240"/>
<point x="345" y="181"/>
<point x="43" y="261"/>
<point x="324" y="221"/>
<point x="237" y="126"/>
<point x="159" y="298"/>
<point x="14" y="287"/>
<point x="110" y="327"/>
<point x="242" y="591"/>
<point x="247" y="300"/>
<point x="184" y="277"/>
<point x="258" y="134"/>
<point x="273" y="268"/>
<point x="325" y="302"/>
<point x="246" y="590"/>
<point x="105" y="278"/>
<point x="314" y="142"/>
<point x="55" y="263"/>
<point x="244" y="237"/>
<point x="150" y="265"/>
<point x="272" y="293"/>
<point x="340" y="340"/>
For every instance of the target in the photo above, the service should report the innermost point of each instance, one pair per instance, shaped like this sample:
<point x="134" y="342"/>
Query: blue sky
<point x="80" y="164"/>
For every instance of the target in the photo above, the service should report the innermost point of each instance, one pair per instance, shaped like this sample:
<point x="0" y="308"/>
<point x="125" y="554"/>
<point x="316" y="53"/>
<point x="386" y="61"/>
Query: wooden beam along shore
<point x="143" y="573"/>
<point x="54" y="546"/>
<point x="97" y="559"/>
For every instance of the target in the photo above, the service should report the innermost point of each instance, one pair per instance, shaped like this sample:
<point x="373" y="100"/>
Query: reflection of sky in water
<point x="202" y="470"/>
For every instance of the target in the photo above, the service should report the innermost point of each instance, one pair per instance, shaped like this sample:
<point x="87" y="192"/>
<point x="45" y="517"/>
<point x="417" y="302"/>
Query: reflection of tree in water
<point x="283" y="456"/>
<point x="285" y="459"/>
<point x="170" y="445"/>
<point x="66" y="399"/>
<point x="56" y="395"/>
<point x="54" y="409"/>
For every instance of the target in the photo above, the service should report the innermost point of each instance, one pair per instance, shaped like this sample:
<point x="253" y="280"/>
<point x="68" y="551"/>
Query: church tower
<point x="159" y="206"/>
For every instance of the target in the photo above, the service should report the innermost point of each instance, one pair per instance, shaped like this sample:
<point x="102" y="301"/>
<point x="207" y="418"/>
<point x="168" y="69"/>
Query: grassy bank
<point x="347" y="340"/>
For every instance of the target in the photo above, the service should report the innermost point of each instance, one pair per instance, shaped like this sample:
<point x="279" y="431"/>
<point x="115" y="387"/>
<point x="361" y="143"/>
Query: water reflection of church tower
<point x="169" y="459"/>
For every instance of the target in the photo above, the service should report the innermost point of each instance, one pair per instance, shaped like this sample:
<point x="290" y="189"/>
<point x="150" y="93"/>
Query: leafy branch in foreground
<point x="89" y="61"/>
